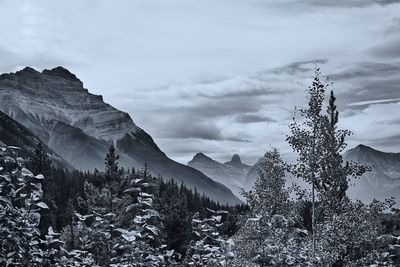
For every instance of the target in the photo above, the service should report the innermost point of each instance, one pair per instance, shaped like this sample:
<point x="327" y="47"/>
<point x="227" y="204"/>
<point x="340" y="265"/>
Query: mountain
<point x="231" y="173"/>
<point x="252" y="174"/>
<point x="14" y="134"/>
<point x="79" y="126"/>
<point x="382" y="181"/>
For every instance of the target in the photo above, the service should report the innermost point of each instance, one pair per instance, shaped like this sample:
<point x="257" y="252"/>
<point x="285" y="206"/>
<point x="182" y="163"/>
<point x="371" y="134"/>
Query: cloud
<point x="249" y="92"/>
<point x="388" y="49"/>
<point x="252" y="118"/>
<point x="367" y="70"/>
<point x="201" y="130"/>
<point x="373" y="124"/>
<point x="370" y="102"/>
<point x="215" y="108"/>
<point x="386" y="144"/>
<point x="299" y="66"/>
<point x="351" y="3"/>
<point x="366" y="83"/>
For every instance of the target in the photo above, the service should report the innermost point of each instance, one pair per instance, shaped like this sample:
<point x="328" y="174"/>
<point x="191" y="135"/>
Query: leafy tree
<point x="40" y="163"/>
<point x="305" y="139"/>
<point x="351" y="237"/>
<point x="20" y="203"/>
<point x="269" y="195"/>
<point x="271" y="235"/>
<point x="346" y="229"/>
<point x="209" y="248"/>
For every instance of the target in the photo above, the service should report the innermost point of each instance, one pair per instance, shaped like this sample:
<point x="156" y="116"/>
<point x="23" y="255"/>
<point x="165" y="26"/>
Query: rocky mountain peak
<point x="28" y="72"/>
<point x="61" y="72"/>
<point x="362" y="147"/>
<point x="236" y="160"/>
<point x="365" y="151"/>
<point x="200" y="158"/>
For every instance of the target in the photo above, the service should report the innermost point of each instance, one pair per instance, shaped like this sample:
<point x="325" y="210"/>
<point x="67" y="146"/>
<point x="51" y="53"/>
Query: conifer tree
<point x="40" y="162"/>
<point x="334" y="172"/>
<point x="111" y="162"/>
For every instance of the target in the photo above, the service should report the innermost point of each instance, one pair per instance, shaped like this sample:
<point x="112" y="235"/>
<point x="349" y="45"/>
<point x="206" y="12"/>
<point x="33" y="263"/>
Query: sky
<point x="219" y="76"/>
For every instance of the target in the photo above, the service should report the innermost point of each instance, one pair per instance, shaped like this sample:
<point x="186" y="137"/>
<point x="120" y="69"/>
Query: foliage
<point x="20" y="203"/>
<point x="271" y="235"/>
<point x="140" y="243"/>
<point x="209" y="248"/>
<point x="350" y="235"/>
<point x="269" y="195"/>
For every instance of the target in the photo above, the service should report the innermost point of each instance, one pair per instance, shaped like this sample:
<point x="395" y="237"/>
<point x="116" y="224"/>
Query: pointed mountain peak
<point x="201" y="158"/>
<point x="361" y="146"/>
<point x="365" y="151"/>
<point x="236" y="159"/>
<point x="364" y="148"/>
<point x="28" y="71"/>
<point x="61" y="72"/>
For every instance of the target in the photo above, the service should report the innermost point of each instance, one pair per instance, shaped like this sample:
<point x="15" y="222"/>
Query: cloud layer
<point x="219" y="77"/>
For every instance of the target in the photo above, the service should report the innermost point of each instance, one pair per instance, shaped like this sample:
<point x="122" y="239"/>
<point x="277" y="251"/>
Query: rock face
<point x="232" y="173"/>
<point x="14" y="134"/>
<point x="80" y="126"/>
<point x="383" y="181"/>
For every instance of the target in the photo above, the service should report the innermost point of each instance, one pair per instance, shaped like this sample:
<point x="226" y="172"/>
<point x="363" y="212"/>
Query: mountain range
<point x="78" y="127"/>
<point x="383" y="181"/>
<point x="232" y="173"/>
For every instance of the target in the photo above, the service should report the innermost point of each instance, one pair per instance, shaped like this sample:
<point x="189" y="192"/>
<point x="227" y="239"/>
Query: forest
<point x="128" y="217"/>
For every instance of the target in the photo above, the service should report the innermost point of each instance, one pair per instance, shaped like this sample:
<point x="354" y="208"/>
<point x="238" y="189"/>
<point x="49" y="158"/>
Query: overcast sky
<point x="219" y="76"/>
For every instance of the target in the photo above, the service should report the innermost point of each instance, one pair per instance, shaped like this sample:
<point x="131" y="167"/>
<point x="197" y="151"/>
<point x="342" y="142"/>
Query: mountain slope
<point x="13" y="133"/>
<point x="252" y="174"/>
<point x="80" y="126"/>
<point x="384" y="179"/>
<point x="231" y="173"/>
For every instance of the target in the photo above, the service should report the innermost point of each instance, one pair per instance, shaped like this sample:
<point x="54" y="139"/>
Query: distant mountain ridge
<point x="383" y="181"/>
<point x="232" y="173"/>
<point x="79" y="126"/>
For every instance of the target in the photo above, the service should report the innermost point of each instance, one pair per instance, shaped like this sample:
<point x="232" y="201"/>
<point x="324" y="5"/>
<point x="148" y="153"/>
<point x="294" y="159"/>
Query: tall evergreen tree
<point x="111" y="162"/>
<point x="334" y="172"/>
<point x="40" y="162"/>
